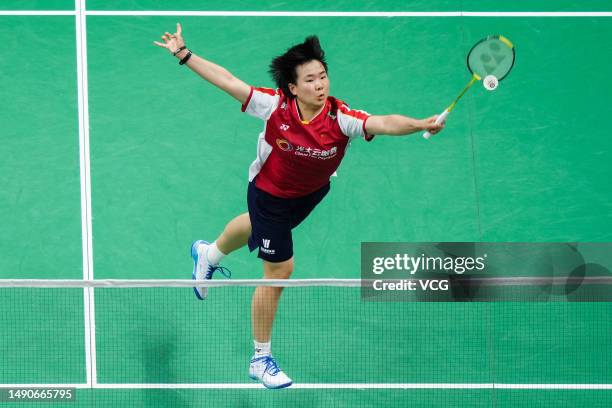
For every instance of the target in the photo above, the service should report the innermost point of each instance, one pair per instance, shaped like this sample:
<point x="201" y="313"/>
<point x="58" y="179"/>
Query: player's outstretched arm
<point x="213" y="73"/>
<point x="398" y="125"/>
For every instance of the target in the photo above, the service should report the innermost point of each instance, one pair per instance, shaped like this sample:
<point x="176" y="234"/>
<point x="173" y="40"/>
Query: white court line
<point x="86" y="234"/>
<point x="356" y="386"/>
<point x="37" y="13"/>
<point x="52" y="385"/>
<point x="361" y="386"/>
<point x="188" y="13"/>
<point x="351" y="13"/>
<point x="537" y="14"/>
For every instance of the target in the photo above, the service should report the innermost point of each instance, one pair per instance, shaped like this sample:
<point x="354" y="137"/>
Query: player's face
<point x="312" y="84"/>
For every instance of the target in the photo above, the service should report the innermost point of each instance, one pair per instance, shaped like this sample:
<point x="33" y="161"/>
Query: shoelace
<point x="271" y="366"/>
<point x="224" y="271"/>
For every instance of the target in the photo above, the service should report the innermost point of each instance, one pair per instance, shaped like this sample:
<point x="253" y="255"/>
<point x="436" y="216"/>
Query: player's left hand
<point x="172" y="42"/>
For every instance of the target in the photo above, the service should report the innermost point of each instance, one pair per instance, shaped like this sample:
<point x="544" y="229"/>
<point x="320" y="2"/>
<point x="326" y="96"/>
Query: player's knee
<point x="278" y="270"/>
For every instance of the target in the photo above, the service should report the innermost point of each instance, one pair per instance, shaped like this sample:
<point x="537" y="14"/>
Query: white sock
<point x="261" y="349"/>
<point x="214" y="256"/>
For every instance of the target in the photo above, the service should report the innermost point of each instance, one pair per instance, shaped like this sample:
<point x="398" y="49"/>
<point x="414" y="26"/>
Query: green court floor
<point x="169" y="154"/>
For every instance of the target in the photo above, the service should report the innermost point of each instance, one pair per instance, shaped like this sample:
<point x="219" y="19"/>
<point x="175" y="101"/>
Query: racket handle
<point x="441" y="119"/>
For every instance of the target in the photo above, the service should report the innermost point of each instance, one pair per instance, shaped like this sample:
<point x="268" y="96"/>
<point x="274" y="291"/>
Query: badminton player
<point x="305" y="136"/>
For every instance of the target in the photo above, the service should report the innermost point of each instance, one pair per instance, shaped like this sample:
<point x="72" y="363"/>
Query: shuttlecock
<point x="490" y="82"/>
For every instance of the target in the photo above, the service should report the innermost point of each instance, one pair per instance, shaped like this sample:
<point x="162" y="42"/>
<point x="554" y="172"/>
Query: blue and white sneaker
<point x="202" y="269"/>
<point x="266" y="370"/>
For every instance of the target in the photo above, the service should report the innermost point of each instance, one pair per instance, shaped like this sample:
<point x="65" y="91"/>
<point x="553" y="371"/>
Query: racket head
<point x="493" y="55"/>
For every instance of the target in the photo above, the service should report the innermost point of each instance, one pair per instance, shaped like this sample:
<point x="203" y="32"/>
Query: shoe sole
<point x="194" y="256"/>
<point x="278" y="387"/>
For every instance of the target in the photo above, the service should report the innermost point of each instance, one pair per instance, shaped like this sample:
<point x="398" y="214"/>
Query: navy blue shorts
<point x="273" y="218"/>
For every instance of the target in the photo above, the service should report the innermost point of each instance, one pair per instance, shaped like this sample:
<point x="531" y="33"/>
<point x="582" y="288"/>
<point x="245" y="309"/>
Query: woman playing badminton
<point x="306" y="132"/>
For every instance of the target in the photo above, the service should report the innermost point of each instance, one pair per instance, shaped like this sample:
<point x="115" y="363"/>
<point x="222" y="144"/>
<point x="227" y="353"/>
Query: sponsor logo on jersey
<point x="284" y="145"/>
<point x="316" y="153"/>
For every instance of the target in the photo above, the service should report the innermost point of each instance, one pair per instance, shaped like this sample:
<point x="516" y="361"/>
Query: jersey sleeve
<point x="352" y="122"/>
<point x="261" y="102"/>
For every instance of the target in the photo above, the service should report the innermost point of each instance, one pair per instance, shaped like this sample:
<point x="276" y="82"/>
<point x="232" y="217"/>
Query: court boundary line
<point x="359" y="386"/>
<point x="37" y="13"/>
<point x="349" y="13"/>
<point x="368" y="14"/>
<point x="85" y="176"/>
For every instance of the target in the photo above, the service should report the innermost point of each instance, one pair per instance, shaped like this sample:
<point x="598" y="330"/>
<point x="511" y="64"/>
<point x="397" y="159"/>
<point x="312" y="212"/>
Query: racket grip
<point x="441" y="119"/>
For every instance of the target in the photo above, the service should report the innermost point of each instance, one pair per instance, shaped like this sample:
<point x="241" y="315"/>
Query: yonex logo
<point x="266" y="243"/>
<point x="284" y="127"/>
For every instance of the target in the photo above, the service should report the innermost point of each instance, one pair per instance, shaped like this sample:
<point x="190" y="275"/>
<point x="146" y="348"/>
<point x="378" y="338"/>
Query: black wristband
<point x="184" y="60"/>
<point x="179" y="50"/>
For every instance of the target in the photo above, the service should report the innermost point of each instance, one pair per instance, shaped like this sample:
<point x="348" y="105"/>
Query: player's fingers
<point x="160" y="44"/>
<point x="433" y="127"/>
<point x="179" y="29"/>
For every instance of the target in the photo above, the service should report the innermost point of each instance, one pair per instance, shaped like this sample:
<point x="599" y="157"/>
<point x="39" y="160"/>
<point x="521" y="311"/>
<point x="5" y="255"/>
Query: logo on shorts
<point x="265" y="247"/>
<point x="284" y="127"/>
<point x="284" y="145"/>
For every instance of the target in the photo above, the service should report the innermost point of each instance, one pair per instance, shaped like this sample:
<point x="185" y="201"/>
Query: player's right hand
<point x="431" y="126"/>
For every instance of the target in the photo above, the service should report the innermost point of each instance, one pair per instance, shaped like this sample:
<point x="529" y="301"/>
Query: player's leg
<point x="272" y="221"/>
<point x="265" y="299"/>
<point x="263" y="367"/>
<point x="206" y="256"/>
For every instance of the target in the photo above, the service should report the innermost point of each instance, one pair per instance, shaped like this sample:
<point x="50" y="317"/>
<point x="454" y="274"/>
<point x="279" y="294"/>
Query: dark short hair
<point x="283" y="67"/>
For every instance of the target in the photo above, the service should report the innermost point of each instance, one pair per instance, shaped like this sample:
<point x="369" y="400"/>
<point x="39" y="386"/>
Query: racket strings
<point x="492" y="56"/>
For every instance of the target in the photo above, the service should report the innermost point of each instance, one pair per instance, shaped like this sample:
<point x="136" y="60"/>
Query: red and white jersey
<point x="294" y="157"/>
